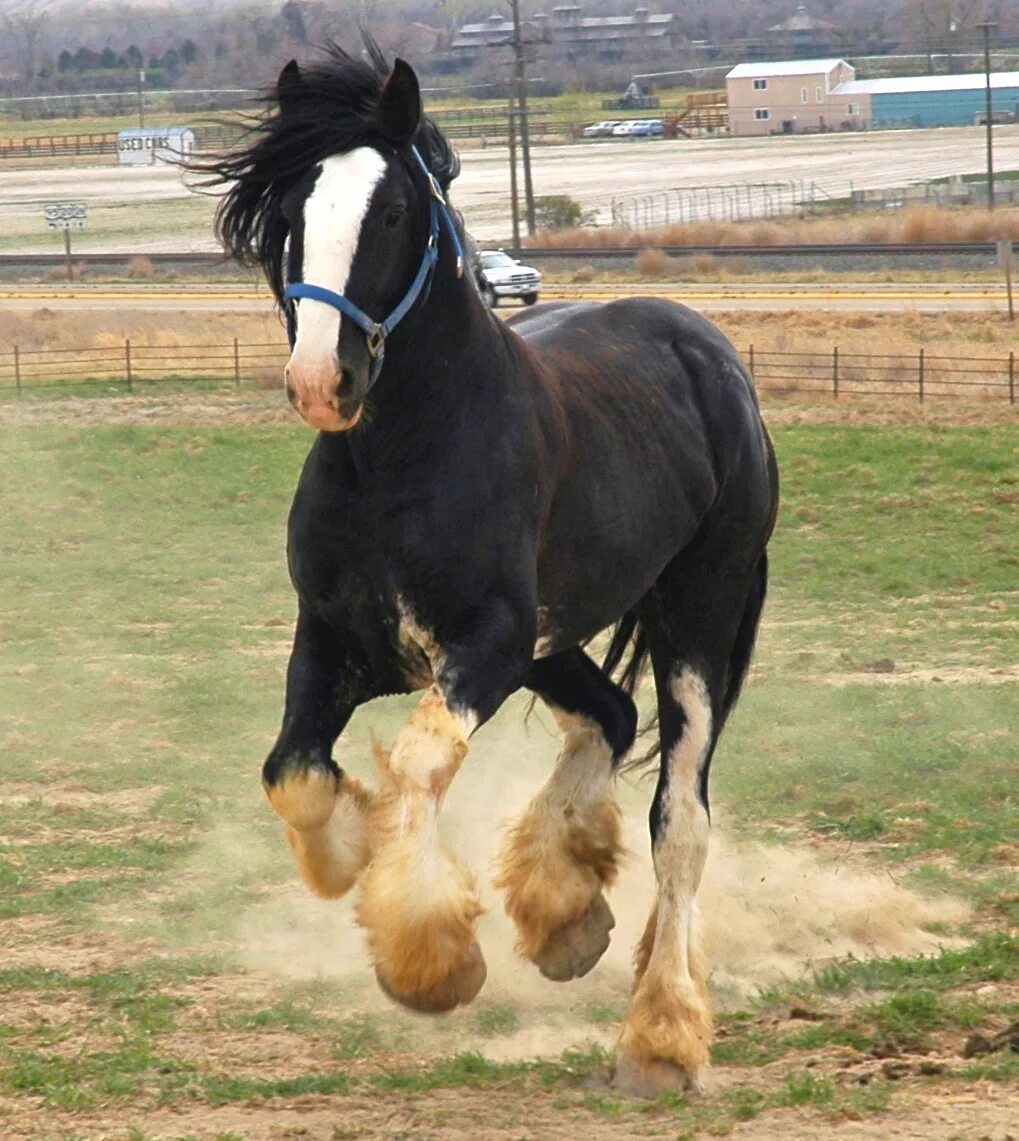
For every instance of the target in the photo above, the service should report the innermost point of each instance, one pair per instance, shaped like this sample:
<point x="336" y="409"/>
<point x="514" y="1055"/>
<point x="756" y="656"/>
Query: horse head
<point x="337" y="201"/>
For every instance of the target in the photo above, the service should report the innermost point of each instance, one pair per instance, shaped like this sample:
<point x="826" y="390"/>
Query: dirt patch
<point x="42" y="942"/>
<point x="972" y="1114"/>
<point x="132" y="801"/>
<point x="946" y="675"/>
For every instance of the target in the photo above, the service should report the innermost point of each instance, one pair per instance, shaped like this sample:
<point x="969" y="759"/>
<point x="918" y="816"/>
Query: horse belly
<point x="606" y="542"/>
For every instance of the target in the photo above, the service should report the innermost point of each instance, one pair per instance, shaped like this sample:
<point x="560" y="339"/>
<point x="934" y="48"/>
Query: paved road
<point x="853" y="297"/>
<point x="592" y="173"/>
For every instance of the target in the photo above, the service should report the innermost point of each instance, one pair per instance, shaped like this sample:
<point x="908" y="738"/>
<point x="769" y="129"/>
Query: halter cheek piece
<point x="375" y="332"/>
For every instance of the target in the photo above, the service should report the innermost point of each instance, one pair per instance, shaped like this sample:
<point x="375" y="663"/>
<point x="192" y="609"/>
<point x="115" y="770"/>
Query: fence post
<point x="127" y="362"/>
<point x="835" y="372"/>
<point x="237" y="365"/>
<point x="920" y="378"/>
<point x="752" y="377"/>
<point x="17" y="370"/>
<point x="1011" y="376"/>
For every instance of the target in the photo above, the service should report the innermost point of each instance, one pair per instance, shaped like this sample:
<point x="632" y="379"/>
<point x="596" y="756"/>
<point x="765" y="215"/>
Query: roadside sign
<point x="1006" y="259"/>
<point x="66" y="215"/>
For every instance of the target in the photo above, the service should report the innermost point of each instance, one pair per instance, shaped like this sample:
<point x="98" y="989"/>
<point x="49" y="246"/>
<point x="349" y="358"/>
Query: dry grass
<point x="962" y="335"/>
<point x="141" y="266"/>
<point x="653" y="264"/>
<point x="916" y="224"/>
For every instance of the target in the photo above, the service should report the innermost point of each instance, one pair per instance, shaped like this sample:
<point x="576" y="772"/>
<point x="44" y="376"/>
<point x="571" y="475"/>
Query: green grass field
<point x="163" y="975"/>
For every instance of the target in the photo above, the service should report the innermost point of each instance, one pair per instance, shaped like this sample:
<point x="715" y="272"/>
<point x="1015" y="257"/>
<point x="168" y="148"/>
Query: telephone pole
<point x="525" y="131"/>
<point x="987" y="25"/>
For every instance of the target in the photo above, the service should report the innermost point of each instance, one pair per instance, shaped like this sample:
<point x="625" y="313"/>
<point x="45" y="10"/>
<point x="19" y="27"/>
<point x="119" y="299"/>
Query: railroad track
<point x="552" y="254"/>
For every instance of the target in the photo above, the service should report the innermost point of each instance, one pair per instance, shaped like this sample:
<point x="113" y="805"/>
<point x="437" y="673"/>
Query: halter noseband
<point x="375" y="332"/>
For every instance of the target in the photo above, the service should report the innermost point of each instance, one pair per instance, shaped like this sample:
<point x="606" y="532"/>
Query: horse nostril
<point x="288" y="386"/>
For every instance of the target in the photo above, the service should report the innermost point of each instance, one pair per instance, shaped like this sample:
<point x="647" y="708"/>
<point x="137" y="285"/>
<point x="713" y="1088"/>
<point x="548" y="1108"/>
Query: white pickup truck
<point x="500" y="276"/>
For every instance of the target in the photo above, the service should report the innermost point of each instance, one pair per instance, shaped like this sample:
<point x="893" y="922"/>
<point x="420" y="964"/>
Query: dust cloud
<point x="770" y="912"/>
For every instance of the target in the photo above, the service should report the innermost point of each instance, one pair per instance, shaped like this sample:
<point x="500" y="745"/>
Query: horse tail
<point x="628" y="653"/>
<point x="746" y="635"/>
<point x="628" y="637"/>
<point x="625" y="663"/>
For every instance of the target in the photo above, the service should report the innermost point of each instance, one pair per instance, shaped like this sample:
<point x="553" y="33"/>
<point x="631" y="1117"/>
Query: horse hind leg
<point x="667" y="1031"/>
<point x="700" y="655"/>
<point x="564" y="851"/>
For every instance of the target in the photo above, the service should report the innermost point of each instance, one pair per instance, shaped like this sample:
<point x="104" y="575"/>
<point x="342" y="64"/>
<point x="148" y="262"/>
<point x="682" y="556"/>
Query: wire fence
<point x="738" y="202"/>
<point x="131" y="366"/>
<point x="831" y="373"/>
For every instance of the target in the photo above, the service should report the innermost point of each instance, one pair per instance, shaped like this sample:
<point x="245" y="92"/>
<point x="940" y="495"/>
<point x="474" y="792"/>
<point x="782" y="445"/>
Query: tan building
<point x="784" y="98"/>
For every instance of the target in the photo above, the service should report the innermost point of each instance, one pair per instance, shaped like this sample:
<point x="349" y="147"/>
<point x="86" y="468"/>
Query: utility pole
<point x="525" y="136"/>
<point x="987" y="25"/>
<point x="141" y="106"/>
<point x="511" y="122"/>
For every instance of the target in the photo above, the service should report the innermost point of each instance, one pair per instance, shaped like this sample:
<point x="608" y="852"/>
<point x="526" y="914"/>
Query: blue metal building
<point x="933" y="100"/>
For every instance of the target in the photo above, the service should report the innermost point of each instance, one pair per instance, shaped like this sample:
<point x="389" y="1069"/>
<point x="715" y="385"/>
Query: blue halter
<point x="375" y="332"/>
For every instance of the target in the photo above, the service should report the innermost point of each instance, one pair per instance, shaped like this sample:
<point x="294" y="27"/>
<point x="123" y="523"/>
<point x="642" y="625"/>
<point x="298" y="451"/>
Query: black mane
<point x="333" y="108"/>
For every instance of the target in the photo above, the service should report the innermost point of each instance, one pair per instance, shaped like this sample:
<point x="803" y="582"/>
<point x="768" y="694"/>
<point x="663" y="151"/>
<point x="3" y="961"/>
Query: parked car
<point x="639" y="128"/>
<point x="499" y="276"/>
<point x="600" y="130"/>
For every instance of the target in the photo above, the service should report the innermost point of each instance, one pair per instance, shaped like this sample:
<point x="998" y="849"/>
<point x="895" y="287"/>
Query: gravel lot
<point x="592" y="173"/>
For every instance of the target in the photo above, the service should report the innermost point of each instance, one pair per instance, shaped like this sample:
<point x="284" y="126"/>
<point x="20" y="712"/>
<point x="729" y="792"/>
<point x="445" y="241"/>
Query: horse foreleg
<point x="559" y="856"/>
<point x="565" y="849"/>
<point x="325" y="811"/>
<point x="418" y="902"/>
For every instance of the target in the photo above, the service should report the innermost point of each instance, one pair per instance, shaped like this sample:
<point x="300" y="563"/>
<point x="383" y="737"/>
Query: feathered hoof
<point x="575" y="947"/>
<point x="458" y="988"/>
<point x="304" y="799"/>
<point x="649" y="1078"/>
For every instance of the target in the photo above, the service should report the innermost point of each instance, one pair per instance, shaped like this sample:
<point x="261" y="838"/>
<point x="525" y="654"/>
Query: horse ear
<point x="400" y="102"/>
<point x="290" y="79"/>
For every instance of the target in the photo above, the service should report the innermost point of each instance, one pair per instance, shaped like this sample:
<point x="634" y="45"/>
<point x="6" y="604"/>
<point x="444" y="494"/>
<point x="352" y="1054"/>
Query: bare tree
<point x="23" y="30"/>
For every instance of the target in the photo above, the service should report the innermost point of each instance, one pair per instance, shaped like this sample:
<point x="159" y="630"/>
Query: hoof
<point x="648" y="1079"/>
<point x="457" y="989"/>
<point x="304" y="799"/>
<point x="573" y="949"/>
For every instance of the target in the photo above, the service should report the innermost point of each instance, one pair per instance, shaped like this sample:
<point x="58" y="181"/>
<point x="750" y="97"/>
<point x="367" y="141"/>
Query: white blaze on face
<point x="333" y="214"/>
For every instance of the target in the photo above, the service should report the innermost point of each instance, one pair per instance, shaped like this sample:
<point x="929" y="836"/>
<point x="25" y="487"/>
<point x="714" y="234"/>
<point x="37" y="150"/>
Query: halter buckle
<point x="376" y="342"/>
<point x="435" y="188"/>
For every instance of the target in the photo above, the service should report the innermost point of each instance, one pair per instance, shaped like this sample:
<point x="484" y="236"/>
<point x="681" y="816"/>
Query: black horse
<point x="483" y="499"/>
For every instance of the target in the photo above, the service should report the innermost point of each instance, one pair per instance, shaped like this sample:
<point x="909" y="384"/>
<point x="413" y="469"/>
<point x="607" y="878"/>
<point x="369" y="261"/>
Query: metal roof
<point x="786" y="67"/>
<point x="916" y="84"/>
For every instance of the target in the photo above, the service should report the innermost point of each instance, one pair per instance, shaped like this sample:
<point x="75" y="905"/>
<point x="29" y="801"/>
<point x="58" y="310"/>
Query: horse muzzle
<point x="325" y="403"/>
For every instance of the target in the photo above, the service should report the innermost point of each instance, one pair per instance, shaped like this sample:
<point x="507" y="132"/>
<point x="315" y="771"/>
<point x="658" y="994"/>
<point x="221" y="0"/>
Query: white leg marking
<point x="665" y="1037"/>
<point x="679" y="855"/>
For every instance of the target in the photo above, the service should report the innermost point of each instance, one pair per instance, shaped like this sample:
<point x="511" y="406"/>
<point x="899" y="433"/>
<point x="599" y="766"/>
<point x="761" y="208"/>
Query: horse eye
<point x="394" y="216"/>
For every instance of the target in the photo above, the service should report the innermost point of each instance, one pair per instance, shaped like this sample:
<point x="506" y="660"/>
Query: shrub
<point x="653" y="264"/>
<point x="560" y="212"/>
<point x="140" y="266"/>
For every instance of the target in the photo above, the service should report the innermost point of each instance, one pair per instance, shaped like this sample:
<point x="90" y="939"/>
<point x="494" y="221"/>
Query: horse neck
<point x="448" y="343"/>
<point x="448" y="370"/>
